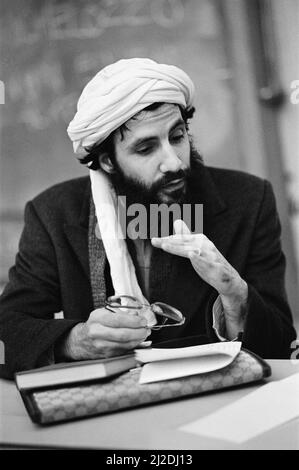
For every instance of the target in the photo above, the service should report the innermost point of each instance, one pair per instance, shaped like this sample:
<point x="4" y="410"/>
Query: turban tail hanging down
<point x="119" y="91"/>
<point x="110" y="99"/>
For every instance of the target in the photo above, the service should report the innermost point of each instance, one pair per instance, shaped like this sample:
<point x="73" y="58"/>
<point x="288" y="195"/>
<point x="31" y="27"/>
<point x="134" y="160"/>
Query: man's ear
<point x="106" y="163"/>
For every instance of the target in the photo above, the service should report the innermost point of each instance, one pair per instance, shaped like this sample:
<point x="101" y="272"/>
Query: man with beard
<point x="131" y="130"/>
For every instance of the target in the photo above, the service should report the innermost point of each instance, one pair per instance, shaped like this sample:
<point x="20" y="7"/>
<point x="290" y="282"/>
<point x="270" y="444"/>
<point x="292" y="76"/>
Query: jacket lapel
<point x="77" y="233"/>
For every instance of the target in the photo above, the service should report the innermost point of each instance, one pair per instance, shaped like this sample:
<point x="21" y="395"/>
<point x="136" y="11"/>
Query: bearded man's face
<point x="152" y="158"/>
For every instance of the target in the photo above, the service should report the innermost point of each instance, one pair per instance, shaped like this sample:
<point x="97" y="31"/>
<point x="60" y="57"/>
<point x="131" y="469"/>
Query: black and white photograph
<point x="149" y="228"/>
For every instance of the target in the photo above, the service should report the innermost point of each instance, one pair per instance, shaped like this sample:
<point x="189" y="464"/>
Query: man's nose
<point x="170" y="160"/>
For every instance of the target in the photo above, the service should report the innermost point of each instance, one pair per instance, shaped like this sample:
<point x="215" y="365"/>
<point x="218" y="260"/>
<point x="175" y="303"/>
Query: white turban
<point x="121" y="90"/>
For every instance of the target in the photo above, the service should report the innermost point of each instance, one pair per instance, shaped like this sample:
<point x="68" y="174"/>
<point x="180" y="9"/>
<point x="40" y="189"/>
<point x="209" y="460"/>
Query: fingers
<point x="110" y="348"/>
<point x="181" y="245"/>
<point x="123" y="328"/>
<point x="98" y="331"/>
<point x="149" y="316"/>
<point x="124" y="319"/>
<point x="118" y="319"/>
<point x="177" y="238"/>
<point x="180" y="227"/>
<point x="179" y="250"/>
<point x="144" y="344"/>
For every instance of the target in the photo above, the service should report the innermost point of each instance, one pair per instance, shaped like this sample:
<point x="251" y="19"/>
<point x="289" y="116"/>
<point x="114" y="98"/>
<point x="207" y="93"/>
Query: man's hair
<point x="107" y="146"/>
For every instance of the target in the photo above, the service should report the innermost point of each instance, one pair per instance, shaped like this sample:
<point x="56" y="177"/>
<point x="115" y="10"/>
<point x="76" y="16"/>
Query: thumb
<point x="180" y="227"/>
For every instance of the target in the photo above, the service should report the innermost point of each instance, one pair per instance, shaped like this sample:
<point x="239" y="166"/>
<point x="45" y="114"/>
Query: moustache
<point x="170" y="177"/>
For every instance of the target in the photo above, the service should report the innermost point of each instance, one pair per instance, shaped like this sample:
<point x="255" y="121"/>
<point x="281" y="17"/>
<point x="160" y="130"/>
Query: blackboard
<point x="50" y="49"/>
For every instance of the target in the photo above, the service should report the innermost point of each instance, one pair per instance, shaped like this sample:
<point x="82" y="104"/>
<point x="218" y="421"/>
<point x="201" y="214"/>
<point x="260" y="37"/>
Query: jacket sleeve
<point x="28" y="329"/>
<point x="268" y="328"/>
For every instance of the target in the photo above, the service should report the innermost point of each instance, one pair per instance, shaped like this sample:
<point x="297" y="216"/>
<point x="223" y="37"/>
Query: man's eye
<point x="144" y="150"/>
<point x="177" y="137"/>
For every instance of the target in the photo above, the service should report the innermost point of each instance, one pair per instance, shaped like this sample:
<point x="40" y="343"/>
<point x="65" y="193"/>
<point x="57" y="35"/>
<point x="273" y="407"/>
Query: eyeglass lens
<point x="166" y="315"/>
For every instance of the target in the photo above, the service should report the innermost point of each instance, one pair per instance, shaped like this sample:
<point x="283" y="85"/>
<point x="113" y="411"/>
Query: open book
<point x="166" y="364"/>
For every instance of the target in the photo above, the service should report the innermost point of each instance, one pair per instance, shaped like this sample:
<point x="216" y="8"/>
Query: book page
<point x="183" y="362"/>
<point x="230" y="348"/>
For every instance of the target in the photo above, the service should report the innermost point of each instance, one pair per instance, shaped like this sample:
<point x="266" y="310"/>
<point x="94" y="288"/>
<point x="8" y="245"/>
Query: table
<point x="154" y="427"/>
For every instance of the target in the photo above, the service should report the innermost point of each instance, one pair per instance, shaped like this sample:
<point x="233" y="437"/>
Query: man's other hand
<point x="213" y="268"/>
<point x="206" y="259"/>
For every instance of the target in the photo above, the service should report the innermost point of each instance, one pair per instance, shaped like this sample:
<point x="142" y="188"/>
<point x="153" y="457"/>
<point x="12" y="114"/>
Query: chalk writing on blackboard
<point x="39" y="102"/>
<point x="90" y="20"/>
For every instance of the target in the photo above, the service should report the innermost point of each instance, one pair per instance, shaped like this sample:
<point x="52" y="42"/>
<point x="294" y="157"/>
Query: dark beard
<point x="138" y="192"/>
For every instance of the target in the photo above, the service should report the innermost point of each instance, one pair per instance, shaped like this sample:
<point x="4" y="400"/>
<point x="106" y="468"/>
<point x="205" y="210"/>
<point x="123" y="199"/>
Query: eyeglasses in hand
<point x="166" y="315"/>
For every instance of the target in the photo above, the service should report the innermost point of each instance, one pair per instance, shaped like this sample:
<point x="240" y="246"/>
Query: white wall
<point x="286" y="16"/>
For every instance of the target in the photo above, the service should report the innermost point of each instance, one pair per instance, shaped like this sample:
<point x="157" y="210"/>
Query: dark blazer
<point x="51" y="272"/>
